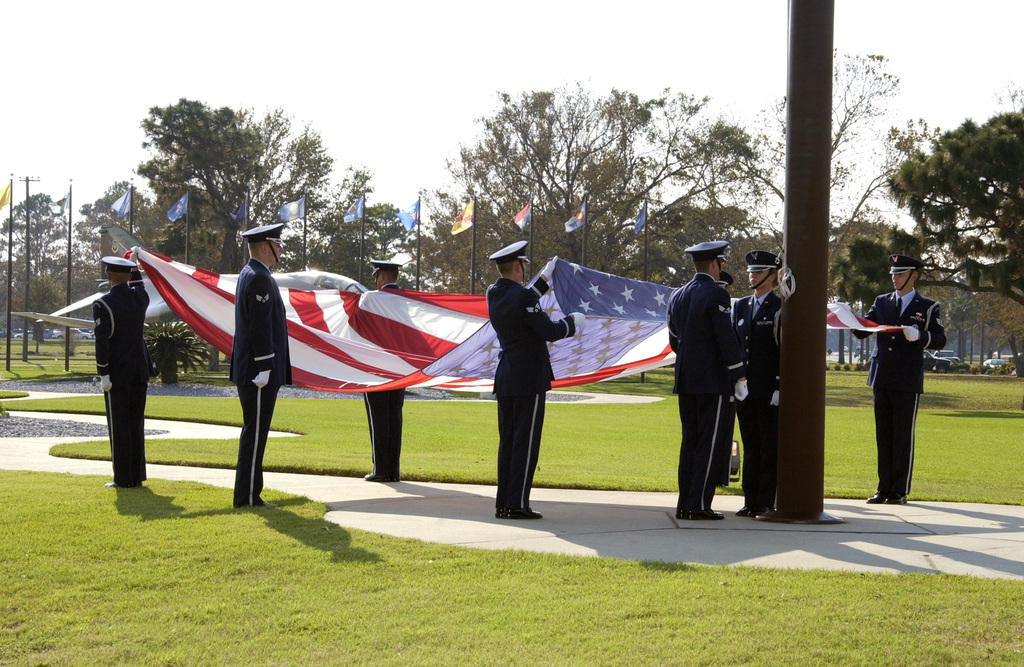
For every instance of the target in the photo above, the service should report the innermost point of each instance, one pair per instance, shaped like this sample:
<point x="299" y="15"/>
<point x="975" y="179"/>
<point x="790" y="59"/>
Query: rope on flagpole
<point x="787" y="281"/>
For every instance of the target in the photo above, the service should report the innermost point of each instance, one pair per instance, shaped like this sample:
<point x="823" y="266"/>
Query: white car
<point x="995" y="363"/>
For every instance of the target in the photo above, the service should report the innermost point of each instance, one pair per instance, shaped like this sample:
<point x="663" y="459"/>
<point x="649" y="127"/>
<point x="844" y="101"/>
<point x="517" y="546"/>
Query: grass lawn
<point x="167" y="574"/>
<point x="618" y="447"/>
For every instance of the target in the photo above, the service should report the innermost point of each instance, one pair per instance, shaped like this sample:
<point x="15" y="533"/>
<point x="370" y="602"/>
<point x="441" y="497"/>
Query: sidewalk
<point x="954" y="538"/>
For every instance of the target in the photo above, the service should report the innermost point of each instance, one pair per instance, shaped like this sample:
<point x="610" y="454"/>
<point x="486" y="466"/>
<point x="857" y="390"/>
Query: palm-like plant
<point x="173" y="343"/>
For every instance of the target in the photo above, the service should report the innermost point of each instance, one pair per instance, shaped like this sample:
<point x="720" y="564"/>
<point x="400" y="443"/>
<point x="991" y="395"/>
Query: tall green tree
<point x="556" y="146"/>
<point x="221" y="156"/>
<point x="965" y="194"/>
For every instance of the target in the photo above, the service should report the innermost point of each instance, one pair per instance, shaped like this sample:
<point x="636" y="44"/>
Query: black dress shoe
<point x="703" y="515"/>
<point x="876" y="499"/>
<point x="680" y="514"/>
<point x="760" y="509"/>
<point x="524" y="513"/>
<point x="501" y="513"/>
<point x="746" y="511"/>
<point x="373" y="477"/>
<point x="896" y="500"/>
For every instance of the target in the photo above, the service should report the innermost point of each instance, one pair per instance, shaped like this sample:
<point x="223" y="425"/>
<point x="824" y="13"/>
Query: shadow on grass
<point x="144" y="503"/>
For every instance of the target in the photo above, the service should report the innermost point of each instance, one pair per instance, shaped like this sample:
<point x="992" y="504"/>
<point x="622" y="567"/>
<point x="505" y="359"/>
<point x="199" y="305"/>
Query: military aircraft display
<point x="116" y="241"/>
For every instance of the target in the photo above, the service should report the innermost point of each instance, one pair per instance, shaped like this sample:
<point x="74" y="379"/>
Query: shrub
<point x="173" y="343"/>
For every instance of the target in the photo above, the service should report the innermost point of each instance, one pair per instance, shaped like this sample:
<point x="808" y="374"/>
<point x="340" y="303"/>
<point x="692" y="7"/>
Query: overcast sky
<point x="397" y="86"/>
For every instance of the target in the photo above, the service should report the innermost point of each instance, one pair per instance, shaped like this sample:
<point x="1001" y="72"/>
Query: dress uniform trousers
<point x="895" y="415"/>
<point x="759" y="428"/>
<point x="520" y="419"/>
<point x="706" y="425"/>
<point x="257" y="411"/>
<point x="126" y="418"/>
<point x="384" y="413"/>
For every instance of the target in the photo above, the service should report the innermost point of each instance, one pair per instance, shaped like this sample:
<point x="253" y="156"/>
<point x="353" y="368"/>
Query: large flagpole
<point x="305" y="209"/>
<point x="647" y="223"/>
<point x="362" y="237"/>
<point x="417" y="223"/>
<point x="801" y="460"/>
<point x="472" y="252"/>
<point x="28" y="267"/>
<point x="131" y="210"/>
<point x="67" y="329"/>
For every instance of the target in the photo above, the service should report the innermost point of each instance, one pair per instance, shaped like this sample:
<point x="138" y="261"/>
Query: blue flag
<point x="122" y="204"/>
<point x="640" y="219"/>
<point x="355" y="211"/>
<point x="238" y="215"/>
<point x="409" y="216"/>
<point x="293" y="210"/>
<point x="179" y="209"/>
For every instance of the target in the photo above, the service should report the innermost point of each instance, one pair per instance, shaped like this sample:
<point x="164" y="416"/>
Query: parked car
<point x="948" y="354"/>
<point x="85" y="334"/>
<point x="994" y="363"/>
<point x="937" y="364"/>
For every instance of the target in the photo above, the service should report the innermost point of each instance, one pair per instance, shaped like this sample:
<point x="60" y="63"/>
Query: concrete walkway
<point x="955" y="538"/>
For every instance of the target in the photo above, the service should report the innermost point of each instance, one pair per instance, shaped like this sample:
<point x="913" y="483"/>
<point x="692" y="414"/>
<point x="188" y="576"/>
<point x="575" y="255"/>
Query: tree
<point x="222" y="156"/>
<point x="859" y="273"/>
<point x="556" y="146"/>
<point x="965" y="196"/>
<point x="861" y="164"/>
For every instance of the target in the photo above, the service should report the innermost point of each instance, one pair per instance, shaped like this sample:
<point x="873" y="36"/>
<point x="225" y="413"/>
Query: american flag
<point x="342" y="341"/>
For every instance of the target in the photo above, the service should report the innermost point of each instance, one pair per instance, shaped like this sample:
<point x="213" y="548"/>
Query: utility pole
<point x="28" y="266"/>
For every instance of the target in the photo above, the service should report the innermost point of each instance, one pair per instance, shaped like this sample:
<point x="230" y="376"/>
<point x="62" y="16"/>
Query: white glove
<point x="775" y="398"/>
<point x="105" y="383"/>
<point x="911" y="333"/>
<point x="262" y="379"/>
<point x="578" y="319"/>
<point x="134" y="257"/>
<point x="741" y="390"/>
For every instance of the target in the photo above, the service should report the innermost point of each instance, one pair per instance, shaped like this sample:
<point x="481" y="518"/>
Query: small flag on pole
<point x="409" y="216"/>
<point x="641" y="219"/>
<point x="179" y="209"/>
<point x="59" y="206"/>
<point x="355" y="211"/>
<point x="122" y="204"/>
<point x="238" y="215"/>
<point x="5" y="195"/>
<point x="524" y="217"/>
<point x="293" y="210"/>
<point x="465" y="219"/>
<point x="576" y="221"/>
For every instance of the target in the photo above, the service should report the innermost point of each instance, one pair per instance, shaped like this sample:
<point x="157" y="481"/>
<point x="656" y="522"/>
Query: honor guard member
<point x="384" y="408"/>
<point x="523" y="376"/>
<point x="896" y="373"/>
<point x="756" y="320"/>
<point x="122" y="363"/>
<point x="259" y="357"/>
<point x="708" y="373"/>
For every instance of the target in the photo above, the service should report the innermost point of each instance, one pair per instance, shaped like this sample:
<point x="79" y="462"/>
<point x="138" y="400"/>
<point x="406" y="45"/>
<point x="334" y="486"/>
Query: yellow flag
<point x="5" y="195"/>
<point x="465" y="219"/>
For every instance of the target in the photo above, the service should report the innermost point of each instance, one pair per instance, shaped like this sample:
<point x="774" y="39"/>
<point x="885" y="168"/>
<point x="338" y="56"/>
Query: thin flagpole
<point x="10" y="262"/>
<point x="305" y="212"/>
<point x="531" y="230"/>
<point x="586" y="215"/>
<point x="647" y="223"/>
<point x="67" y="329"/>
<point x="416" y="222"/>
<point x="472" y="253"/>
<point x="362" y="237"/>
<point x="131" y="210"/>
<point x="187" y="212"/>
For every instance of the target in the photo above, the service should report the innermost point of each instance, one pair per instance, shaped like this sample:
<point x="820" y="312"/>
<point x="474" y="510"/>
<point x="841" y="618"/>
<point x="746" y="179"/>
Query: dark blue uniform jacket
<point x="261" y="331"/>
<point x="120" y="315"/>
<point x="708" y="358"/>
<point x="759" y="338"/>
<point x="896" y="363"/>
<point x="523" y="329"/>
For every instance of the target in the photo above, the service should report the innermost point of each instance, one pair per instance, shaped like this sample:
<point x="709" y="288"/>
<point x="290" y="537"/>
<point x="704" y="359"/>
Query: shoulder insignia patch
<point x="533" y="309"/>
<point x="724" y="309"/>
<point x="263" y="299"/>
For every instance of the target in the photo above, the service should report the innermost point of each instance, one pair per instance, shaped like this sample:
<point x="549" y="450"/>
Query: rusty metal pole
<point x="802" y="368"/>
